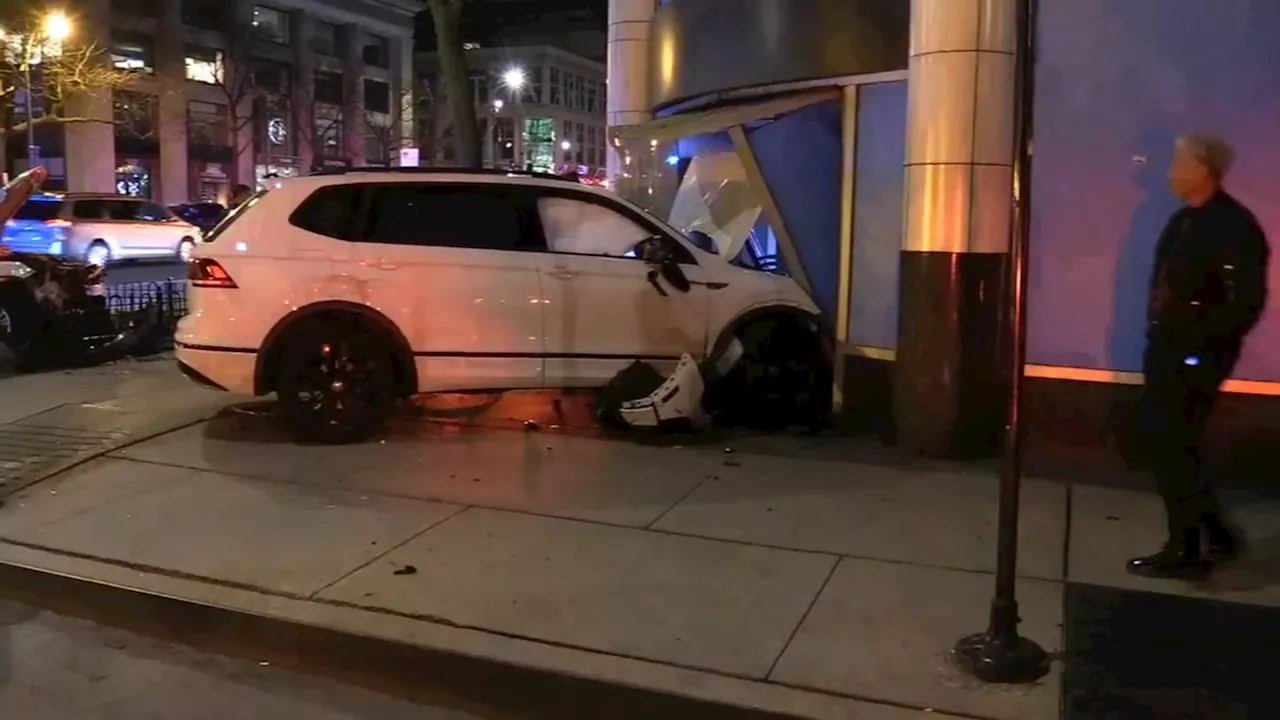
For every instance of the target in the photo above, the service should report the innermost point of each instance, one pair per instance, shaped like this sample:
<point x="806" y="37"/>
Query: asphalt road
<point x="141" y="271"/>
<point x="58" y="668"/>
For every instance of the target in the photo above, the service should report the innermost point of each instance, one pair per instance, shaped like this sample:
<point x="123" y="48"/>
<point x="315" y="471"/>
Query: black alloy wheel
<point x="336" y="381"/>
<point x="783" y="379"/>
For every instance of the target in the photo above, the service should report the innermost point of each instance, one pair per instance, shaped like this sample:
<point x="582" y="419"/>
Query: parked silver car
<point x="99" y="228"/>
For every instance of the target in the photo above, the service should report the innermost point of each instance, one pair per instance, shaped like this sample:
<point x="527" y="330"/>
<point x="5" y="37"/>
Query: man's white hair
<point x="1211" y="151"/>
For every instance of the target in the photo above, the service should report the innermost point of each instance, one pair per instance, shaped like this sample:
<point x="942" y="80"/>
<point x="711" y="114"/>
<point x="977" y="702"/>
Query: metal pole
<point x="33" y="150"/>
<point x="1001" y="655"/>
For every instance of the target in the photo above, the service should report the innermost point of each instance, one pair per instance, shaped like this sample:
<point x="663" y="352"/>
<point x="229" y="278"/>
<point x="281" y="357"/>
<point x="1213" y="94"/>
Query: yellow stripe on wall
<point x="1059" y="372"/>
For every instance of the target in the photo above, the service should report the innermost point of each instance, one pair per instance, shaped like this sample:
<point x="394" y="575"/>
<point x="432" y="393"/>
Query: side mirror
<point x="655" y="252"/>
<point x="652" y="250"/>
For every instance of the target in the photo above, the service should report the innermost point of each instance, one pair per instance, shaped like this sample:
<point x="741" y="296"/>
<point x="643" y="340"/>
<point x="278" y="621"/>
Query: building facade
<point x="875" y="139"/>
<point x="232" y="91"/>
<point x="538" y="107"/>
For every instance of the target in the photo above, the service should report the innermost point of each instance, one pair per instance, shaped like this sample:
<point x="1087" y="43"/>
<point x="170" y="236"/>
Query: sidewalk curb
<point x="488" y="674"/>
<point x="468" y="682"/>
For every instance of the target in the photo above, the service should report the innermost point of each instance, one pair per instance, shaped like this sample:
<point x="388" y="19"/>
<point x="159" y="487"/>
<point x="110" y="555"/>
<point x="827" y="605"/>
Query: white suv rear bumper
<point x="227" y="370"/>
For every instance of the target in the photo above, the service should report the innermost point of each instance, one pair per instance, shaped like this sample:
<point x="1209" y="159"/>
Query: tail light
<point x="208" y="274"/>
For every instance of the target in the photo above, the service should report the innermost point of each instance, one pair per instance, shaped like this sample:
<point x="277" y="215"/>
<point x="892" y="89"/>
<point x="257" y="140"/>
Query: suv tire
<point x="335" y="379"/>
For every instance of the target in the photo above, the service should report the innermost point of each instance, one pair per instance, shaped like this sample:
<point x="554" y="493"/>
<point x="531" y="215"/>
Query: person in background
<point x="1207" y="291"/>
<point x="239" y="194"/>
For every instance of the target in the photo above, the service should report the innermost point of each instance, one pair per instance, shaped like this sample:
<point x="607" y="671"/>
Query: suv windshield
<point x="38" y="210"/>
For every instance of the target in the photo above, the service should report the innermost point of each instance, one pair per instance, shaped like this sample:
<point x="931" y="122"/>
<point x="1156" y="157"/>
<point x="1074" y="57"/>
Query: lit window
<point x="132" y="53"/>
<point x="271" y="24"/>
<point x="204" y="65"/>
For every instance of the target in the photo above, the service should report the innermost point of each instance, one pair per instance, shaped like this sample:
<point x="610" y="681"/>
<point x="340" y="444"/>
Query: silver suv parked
<point x="99" y="228"/>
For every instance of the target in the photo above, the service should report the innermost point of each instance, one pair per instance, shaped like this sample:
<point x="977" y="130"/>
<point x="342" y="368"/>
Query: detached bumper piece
<point x="678" y="401"/>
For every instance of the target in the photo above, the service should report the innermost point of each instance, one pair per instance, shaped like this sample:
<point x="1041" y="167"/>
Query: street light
<point x="56" y="27"/>
<point x="1001" y="654"/>
<point x="514" y="78"/>
<point x="565" y="145"/>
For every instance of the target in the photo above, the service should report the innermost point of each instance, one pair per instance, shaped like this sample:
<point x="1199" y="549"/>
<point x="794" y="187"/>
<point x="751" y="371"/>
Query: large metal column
<point x="948" y="389"/>
<point x="627" y="99"/>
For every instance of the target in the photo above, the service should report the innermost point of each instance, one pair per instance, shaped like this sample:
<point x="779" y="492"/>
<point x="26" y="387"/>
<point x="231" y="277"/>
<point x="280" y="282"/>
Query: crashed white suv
<point x="344" y="291"/>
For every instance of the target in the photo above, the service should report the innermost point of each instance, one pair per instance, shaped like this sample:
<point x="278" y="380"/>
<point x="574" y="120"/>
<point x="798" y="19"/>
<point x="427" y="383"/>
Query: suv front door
<point x="603" y="308"/>
<point x="443" y="262"/>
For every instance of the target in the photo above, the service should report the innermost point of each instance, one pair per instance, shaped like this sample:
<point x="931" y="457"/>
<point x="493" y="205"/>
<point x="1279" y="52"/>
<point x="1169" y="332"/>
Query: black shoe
<point x="1170" y="563"/>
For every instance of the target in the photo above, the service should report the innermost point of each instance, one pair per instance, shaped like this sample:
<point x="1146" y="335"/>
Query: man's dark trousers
<point x="1180" y="391"/>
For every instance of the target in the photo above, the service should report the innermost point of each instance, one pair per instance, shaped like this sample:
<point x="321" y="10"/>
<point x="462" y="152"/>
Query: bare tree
<point x="447" y="17"/>
<point x="319" y="123"/>
<point x="243" y="87"/>
<point x="51" y="76"/>
<point x="385" y="133"/>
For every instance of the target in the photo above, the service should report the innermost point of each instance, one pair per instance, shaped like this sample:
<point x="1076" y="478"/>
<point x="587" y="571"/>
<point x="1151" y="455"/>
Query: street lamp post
<point x="57" y="27"/>
<point x="1001" y="654"/>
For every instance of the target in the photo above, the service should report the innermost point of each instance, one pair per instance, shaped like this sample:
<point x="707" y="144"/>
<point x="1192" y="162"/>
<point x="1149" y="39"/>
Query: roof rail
<point x="439" y="171"/>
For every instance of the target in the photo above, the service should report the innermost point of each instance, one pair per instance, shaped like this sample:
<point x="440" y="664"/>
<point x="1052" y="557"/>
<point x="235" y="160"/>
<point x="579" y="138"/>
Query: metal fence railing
<point x="149" y="310"/>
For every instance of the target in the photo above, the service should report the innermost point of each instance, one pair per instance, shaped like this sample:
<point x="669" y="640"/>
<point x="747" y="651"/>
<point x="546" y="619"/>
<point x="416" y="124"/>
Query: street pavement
<point x="59" y="668"/>
<point x="816" y="587"/>
<point x="144" y="271"/>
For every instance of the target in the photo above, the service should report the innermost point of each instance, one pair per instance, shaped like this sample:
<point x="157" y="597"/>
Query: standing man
<point x="239" y="194"/>
<point x="1207" y="291"/>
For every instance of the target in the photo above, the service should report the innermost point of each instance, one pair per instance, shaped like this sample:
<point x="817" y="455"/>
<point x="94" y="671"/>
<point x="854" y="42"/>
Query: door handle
<point x="386" y="265"/>
<point x="710" y="285"/>
<point x="560" y="274"/>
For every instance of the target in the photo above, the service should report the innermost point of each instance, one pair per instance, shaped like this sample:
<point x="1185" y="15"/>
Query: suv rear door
<point x="446" y="263"/>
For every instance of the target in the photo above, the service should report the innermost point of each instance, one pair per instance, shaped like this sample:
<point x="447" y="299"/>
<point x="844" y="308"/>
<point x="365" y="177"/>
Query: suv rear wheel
<point x="335" y="380"/>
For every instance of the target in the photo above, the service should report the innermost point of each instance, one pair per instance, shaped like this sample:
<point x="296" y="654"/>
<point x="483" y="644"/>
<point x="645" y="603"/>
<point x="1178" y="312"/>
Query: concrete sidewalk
<point x="822" y="589"/>
<point x="54" y="420"/>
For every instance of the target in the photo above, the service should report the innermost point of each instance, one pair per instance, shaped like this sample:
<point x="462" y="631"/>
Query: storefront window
<point x="133" y="179"/>
<point x="540" y="144"/>
<point x="208" y="124"/>
<point x="504" y="139"/>
<point x="327" y="133"/>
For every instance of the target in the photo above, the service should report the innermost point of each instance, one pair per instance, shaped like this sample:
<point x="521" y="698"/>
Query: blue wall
<point x="1117" y="81"/>
<point x="877" y="214"/>
<point x="799" y="155"/>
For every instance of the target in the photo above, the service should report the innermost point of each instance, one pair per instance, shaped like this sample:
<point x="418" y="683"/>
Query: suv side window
<point x="123" y="209"/>
<point x="89" y="210"/>
<point x="583" y="228"/>
<point x="151" y="212"/>
<point x="439" y="215"/>
<point x="330" y="211"/>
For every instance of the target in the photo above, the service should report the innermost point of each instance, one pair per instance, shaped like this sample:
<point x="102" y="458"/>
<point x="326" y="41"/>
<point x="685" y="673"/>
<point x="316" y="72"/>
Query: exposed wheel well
<point x="794" y="317"/>
<point x="377" y="324"/>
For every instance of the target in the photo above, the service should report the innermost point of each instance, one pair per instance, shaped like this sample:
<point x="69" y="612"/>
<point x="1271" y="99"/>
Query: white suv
<point x="344" y="291"/>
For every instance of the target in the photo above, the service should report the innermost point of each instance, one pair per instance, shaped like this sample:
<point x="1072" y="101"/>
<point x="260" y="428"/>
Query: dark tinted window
<point x="123" y="209"/>
<point x="329" y="211"/>
<point x="89" y="210"/>
<point x="431" y="214"/>
<point x="38" y="210"/>
<point x="153" y="212"/>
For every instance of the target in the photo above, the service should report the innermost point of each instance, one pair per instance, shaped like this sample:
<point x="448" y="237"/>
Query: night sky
<point x="484" y="20"/>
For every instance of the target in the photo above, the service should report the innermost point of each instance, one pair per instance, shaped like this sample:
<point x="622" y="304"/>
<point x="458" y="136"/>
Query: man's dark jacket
<point x="1209" y="285"/>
